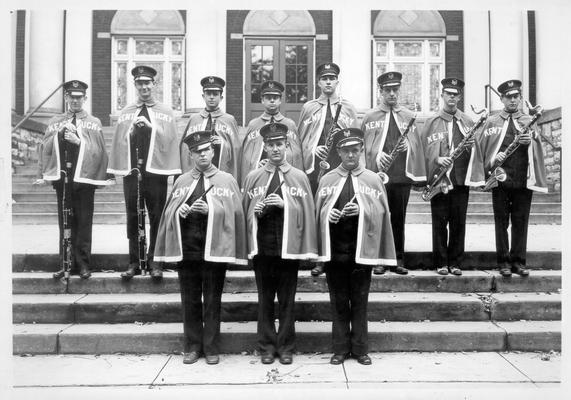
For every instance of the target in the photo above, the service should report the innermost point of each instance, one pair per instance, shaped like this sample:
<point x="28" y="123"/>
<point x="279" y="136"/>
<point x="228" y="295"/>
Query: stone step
<point x="539" y="260"/>
<point x="403" y="306"/>
<point x="27" y="187"/>
<point x="311" y="337"/>
<point x="244" y="282"/>
<point x="485" y="218"/>
<point x="105" y="218"/>
<point x="477" y="195"/>
<point x="41" y="197"/>
<point x="21" y="208"/>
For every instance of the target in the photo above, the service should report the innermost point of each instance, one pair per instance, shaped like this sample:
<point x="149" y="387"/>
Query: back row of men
<point x="146" y="138"/>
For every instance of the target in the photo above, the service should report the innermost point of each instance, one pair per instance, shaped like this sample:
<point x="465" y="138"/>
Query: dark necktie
<point x="73" y="120"/>
<point x="457" y="136"/>
<point x="209" y="123"/>
<point x="326" y="124"/>
<point x="274" y="183"/>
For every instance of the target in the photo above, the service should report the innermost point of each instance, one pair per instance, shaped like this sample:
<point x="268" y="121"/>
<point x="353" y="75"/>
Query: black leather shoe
<point x="519" y="268"/>
<point x="364" y="359"/>
<point x="454" y="270"/>
<point x="337" y="359"/>
<point x="400" y="270"/>
<point x="84" y="272"/>
<point x="317" y="270"/>
<point x="156" y="270"/>
<point x="58" y="275"/>
<point x="380" y="270"/>
<point x="212" y="359"/>
<point x="131" y="271"/>
<point x="190" y="358"/>
<point x="505" y="269"/>
<point x="267" y="358"/>
<point x="286" y="358"/>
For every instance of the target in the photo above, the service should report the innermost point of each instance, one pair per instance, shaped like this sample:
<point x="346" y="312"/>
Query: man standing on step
<point x="145" y="139"/>
<point x="281" y="231"/>
<point x="384" y="127"/>
<point x="441" y="135"/>
<point x="253" y="152"/>
<point x="75" y="137"/>
<point x="202" y="229"/>
<point x="226" y="140"/>
<point x="317" y="124"/>
<point x="524" y="173"/>
<point x="353" y="234"/>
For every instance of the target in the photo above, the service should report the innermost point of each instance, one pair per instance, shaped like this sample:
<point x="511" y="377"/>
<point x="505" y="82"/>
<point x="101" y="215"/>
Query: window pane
<point x="434" y="87"/>
<point x="382" y="49"/>
<point x="149" y="47"/>
<point x="122" y="46"/>
<point x="290" y="54"/>
<point x="261" y="69"/>
<point x="158" y="89"/>
<point x="408" y="49"/>
<point x="290" y="74"/>
<point x="176" y="47"/>
<point x="121" y="100"/>
<point x="434" y="49"/>
<point x="302" y="93"/>
<point x="380" y="69"/>
<point x="302" y="52"/>
<point x="291" y="93"/>
<point x="176" y="86"/>
<point x="411" y="86"/>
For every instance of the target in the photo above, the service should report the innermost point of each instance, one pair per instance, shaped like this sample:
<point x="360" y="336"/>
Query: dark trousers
<point x="81" y="223"/>
<point x="397" y="196"/>
<point x="200" y="279"/>
<point x="517" y="204"/>
<point x="349" y="285"/>
<point x="449" y="226"/>
<point x="154" y="191"/>
<point x="275" y="275"/>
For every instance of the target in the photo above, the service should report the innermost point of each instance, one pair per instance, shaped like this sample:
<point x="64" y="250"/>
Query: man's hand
<point x="321" y="152"/>
<point x="384" y="161"/>
<point x="184" y="210"/>
<point x="39" y="181"/>
<point x="499" y="158"/>
<point x="350" y="210"/>
<point x="72" y="137"/>
<point x="274" y="200"/>
<point x="334" y="216"/>
<point x="216" y="140"/>
<point x="470" y="143"/>
<point x="403" y="146"/>
<point x="141" y="121"/>
<point x="262" y="162"/>
<point x="525" y="139"/>
<point x="444" y="161"/>
<point x="199" y="207"/>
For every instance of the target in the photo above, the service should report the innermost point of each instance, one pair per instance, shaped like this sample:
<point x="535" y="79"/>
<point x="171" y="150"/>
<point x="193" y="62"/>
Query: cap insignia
<point x="271" y="85"/>
<point x="391" y="75"/>
<point x="347" y="133"/>
<point x="454" y="82"/>
<point x="327" y="66"/>
<point x="510" y="83"/>
<point x="210" y="79"/>
<point x="141" y="70"/>
<point x="75" y="84"/>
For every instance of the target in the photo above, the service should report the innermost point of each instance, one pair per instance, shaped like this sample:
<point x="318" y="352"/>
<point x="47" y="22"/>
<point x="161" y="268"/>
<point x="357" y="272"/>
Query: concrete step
<point x="51" y="218"/>
<point x="311" y="337"/>
<point x="27" y="187"/>
<point x="484" y="218"/>
<point x="244" y="282"/>
<point x="41" y="197"/>
<point x="478" y="196"/>
<point x="403" y="306"/>
<point x="51" y="207"/>
<point x="536" y="260"/>
<point x="486" y="207"/>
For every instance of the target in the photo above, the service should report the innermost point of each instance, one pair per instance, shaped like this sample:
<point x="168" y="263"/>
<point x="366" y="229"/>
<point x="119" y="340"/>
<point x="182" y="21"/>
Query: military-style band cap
<point x="391" y="78"/>
<point x="273" y="131"/>
<point x="510" y="87"/>
<point x="144" y="73"/>
<point x="452" y="85"/>
<point x="198" y="140"/>
<point x="212" y="83"/>
<point x="328" y="69"/>
<point x="271" y="87"/>
<point x="348" y="137"/>
<point x="75" y="88"/>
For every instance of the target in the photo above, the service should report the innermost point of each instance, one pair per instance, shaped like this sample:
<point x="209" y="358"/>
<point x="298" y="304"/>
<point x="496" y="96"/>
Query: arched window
<point x="149" y="37"/>
<point x="411" y="42"/>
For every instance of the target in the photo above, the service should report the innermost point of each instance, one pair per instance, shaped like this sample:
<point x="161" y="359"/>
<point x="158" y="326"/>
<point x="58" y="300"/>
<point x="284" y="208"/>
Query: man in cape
<point x="383" y="127"/>
<point x="281" y="231"/>
<point x="145" y="143"/>
<point x="253" y="152"/>
<point x="202" y="229"/>
<point x="317" y="124"/>
<point x="524" y="171"/>
<point x="75" y="137"/>
<point x="226" y="139"/>
<point x="441" y="135"/>
<point x="354" y="234"/>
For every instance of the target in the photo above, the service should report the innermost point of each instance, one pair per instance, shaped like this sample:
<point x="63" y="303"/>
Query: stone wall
<point x="550" y="127"/>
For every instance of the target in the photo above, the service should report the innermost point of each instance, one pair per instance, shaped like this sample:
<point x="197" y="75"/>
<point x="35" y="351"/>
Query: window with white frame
<point x="165" y="54"/>
<point x="421" y="62"/>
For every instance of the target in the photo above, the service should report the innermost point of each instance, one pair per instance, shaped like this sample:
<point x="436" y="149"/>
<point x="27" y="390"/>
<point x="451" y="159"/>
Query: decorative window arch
<point x="279" y="23"/>
<point x="154" y="38"/>
<point x="413" y="43"/>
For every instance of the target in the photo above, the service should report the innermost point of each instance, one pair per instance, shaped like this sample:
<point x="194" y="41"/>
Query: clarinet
<point x="202" y="197"/>
<point x="324" y="165"/>
<point x="267" y="194"/>
<point x="393" y="154"/>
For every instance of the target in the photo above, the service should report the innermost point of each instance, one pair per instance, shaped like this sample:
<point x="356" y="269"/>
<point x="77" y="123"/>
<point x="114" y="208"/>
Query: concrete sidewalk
<point x="408" y="374"/>
<point x="112" y="239"/>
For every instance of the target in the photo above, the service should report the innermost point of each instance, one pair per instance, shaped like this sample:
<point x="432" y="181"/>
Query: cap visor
<point x="453" y="91"/>
<point x="143" y="78"/>
<point x="511" y="92"/>
<point x="349" y="142"/>
<point x="75" y="93"/>
<point x="212" y="88"/>
<point x="328" y="73"/>
<point x="391" y="84"/>
<point x="281" y="137"/>
<point x="275" y="93"/>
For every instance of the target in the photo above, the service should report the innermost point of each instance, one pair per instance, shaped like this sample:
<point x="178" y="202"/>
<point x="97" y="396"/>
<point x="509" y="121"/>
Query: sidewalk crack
<point x="346" y="377"/>
<point x="519" y="370"/>
<point x="152" y="384"/>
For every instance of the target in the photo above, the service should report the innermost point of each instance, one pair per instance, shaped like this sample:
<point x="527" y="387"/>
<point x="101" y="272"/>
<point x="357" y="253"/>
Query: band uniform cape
<point x="311" y="121"/>
<point x="92" y="157"/>
<point x="225" y="231"/>
<point x="227" y="128"/>
<point x="299" y="237"/>
<point x="438" y="128"/>
<point x="375" y="244"/>
<point x="253" y="145"/>
<point x="375" y="126"/>
<point x="163" y="146"/>
<point x="488" y="143"/>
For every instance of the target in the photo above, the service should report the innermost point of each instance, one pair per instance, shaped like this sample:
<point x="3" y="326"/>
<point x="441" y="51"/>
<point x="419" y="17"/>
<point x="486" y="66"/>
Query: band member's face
<point x="276" y="151"/>
<point x="271" y="103"/>
<point x="202" y="158"/>
<point x="511" y="102"/>
<point x="328" y="84"/>
<point x="390" y="95"/>
<point x="75" y="103"/>
<point x="450" y="100"/>
<point x="144" y="88"/>
<point x="350" y="156"/>
<point x="212" y="99"/>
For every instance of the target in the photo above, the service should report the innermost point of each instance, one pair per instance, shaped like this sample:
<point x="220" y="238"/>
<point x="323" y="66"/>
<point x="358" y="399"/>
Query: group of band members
<point x="329" y="192"/>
